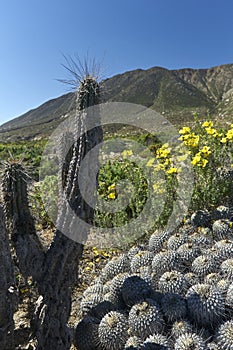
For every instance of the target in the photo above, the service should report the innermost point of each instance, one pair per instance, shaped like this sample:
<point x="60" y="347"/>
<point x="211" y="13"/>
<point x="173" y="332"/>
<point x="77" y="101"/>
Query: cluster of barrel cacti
<point x="175" y="292"/>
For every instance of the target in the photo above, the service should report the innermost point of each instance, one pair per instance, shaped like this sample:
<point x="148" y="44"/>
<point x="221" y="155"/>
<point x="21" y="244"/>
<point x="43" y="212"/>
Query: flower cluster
<point x="165" y="160"/>
<point x="200" y="158"/>
<point x="209" y="129"/>
<point x="189" y="138"/>
<point x="194" y="142"/>
<point x="229" y="136"/>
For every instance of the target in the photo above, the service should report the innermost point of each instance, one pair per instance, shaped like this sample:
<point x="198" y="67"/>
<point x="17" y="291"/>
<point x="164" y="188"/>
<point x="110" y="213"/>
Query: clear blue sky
<point x="122" y="34"/>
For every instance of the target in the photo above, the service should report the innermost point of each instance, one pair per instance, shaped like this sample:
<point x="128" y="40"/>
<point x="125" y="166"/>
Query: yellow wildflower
<point x="208" y="123"/>
<point x="209" y="130"/>
<point x="203" y="163"/>
<point x="172" y="170"/>
<point x="127" y="153"/>
<point x="167" y="161"/>
<point x="112" y="187"/>
<point x="199" y="161"/>
<point x="112" y="195"/>
<point x="229" y="134"/>
<point x="196" y="159"/>
<point x="162" y="153"/>
<point x="205" y="151"/>
<point x="185" y="130"/>
<point x="192" y="140"/>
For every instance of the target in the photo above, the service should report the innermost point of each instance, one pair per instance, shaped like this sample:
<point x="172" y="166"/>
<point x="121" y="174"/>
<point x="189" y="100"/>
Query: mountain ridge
<point x="176" y="93"/>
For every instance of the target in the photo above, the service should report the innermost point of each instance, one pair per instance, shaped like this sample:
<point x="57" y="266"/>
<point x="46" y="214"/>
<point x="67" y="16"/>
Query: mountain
<point x="177" y="94"/>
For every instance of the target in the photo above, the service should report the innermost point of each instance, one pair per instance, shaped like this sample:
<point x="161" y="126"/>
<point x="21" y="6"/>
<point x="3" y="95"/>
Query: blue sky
<point x="122" y="35"/>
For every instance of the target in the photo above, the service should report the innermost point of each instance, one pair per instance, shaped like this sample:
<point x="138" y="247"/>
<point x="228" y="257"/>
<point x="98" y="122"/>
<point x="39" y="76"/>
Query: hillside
<point x="175" y="93"/>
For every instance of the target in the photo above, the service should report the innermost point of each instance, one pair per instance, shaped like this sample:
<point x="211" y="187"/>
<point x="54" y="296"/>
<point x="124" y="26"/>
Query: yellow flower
<point x="229" y="134"/>
<point x="150" y="162"/>
<point x="205" y="151"/>
<point x="185" y="130"/>
<point x="112" y="187"/>
<point x="172" y="170"/>
<point x="163" y="152"/>
<point x="127" y="153"/>
<point x="208" y="123"/>
<point x="209" y="130"/>
<point x="196" y="159"/>
<point x="203" y="163"/>
<point x="223" y="140"/>
<point x="167" y="161"/>
<point x="192" y="140"/>
<point x="112" y="195"/>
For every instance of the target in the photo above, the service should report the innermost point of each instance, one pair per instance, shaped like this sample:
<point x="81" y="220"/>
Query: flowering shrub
<point x="209" y="151"/>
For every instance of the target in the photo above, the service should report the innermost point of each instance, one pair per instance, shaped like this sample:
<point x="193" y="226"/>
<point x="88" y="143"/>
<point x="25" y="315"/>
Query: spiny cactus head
<point x="181" y="327"/>
<point x="224" y="249"/>
<point x="229" y="296"/>
<point x="113" y="331"/>
<point x="157" y="240"/>
<point x="176" y="240"/>
<point x="227" y="269"/>
<point x="206" y="305"/>
<point x="173" y="282"/>
<point x="165" y="261"/>
<point x="115" y="266"/>
<point x="190" y="341"/>
<point x="133" y="343"/>
<point x="145" y="318"/>
<point x="188" y="252"/>
<point x="203" y="265"/>
<point x="201" y="218"/>
<point x="86" y="333"/>
<point x="142" y="258"/>
<point x="222" y="229"/>
<point x="156" y="342"/>
<point x="225" y="336"/>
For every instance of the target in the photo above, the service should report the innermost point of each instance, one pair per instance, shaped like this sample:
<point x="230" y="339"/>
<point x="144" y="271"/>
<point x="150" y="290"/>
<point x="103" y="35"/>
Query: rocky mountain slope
<point x="177" y="94"/>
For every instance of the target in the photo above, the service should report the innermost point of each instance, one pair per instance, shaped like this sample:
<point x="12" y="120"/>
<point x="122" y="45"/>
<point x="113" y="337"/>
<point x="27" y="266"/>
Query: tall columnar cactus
<point x="20" y="221"/>
<point x="7" y="295"/>
<point x="55" y="270"/>
<point x="61" y="262"/>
